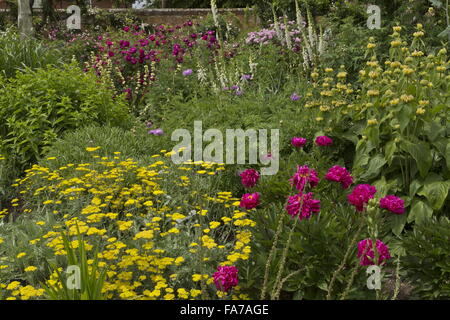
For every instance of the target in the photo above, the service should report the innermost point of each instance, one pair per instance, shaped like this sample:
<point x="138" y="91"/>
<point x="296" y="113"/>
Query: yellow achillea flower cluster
<point x="147" y="222"/>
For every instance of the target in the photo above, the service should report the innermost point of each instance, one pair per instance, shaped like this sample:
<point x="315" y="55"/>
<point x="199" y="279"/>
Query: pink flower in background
<point x="126" y="29"/>
<point x="367" y="255"/>
<point x="302" y="205"/>
<point x="304" y="175"/>
<point x="298" y="142"/>
<point x="393" y="204"/>
<point x="324" y="141"/>
<point x="249" y="200"/>
<point x="339" y="174"/>
<point x="225" y="278"/>
<point x="360" y="195"/>
<point x="249" y="178"/>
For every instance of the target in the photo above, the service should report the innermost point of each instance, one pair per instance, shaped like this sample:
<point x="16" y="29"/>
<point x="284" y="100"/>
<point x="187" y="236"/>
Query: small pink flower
<point x="249" y="200"/>
<point x="339" y="174"/>
<point x="361" y="195"/>
<point x="249" y="178"/>
<point x="324" y="141"/>
<point x="302" y="205"/>
<point x="298" y="142"/>
<point x="156" y="132"/>
<point x="226" y="278"/>
<point x="366" y="254"/>
<point x="304" y="175"/>
<point x="393" y="204"/>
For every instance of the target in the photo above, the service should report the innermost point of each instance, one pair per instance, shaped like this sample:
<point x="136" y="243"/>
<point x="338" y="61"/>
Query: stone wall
<point x="247" y="17"/>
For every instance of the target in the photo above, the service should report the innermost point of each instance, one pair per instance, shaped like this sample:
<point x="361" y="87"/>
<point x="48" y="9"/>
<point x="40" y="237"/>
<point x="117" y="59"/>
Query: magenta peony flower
<point x="302" y="205"/>
<point x="324" y="141"/>
<point x="361" y="195"/>
<point x="304" y="175"/>
<point x="393" y="204"/>
<point x="226" y="278"/>
<point x="367" y="255"/>
<point x="298" y="142"/>
<point x="249" y="178"/>
<point x="249" y="200"/>
<point x="339" y="174"/>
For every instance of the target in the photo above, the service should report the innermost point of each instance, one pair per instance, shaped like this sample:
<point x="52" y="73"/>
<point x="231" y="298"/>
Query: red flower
<point x="324" y="141"/>
<point x="249" y="200"/>
<point x="249" y="178"/>
<point x="339" y="174"/>
<point x="298" y="142"/>
<point x="361" y="195"/>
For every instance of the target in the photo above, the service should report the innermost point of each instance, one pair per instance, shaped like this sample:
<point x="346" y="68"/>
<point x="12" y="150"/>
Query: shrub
<point x="38" y="106"/>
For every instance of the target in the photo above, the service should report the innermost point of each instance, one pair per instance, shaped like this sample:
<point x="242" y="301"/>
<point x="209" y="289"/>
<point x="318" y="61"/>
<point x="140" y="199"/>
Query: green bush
<point x="37" y="106"/>
<point x="427" y="259"/>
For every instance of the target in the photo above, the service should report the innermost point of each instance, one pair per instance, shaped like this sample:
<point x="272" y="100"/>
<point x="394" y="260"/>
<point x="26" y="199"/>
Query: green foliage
<point x="71" y="148"/>
<point x="38" y="106"/>
<point x="91" y="276"/>
<point x="426" y="261"/>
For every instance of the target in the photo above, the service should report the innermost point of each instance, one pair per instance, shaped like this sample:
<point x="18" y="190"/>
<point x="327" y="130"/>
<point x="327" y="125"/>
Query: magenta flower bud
<point x="339" y="174"/>
<point x="249" y="178"/>
<point x="361" y="195"/>
<point x="324" y="141"/>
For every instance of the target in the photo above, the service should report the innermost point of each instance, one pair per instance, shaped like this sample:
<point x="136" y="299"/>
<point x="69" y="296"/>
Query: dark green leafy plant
<point x="427" y="258"/>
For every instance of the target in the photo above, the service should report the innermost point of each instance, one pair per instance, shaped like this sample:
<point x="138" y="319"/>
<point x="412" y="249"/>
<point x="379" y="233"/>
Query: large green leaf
<point x="398" y="222"/>
<point x="373" y="135"/>
<point x="436" y="193"/>
<point x="404" y="116"/>
<point x="420" y="211"/>
<point x="420" y="151"/>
